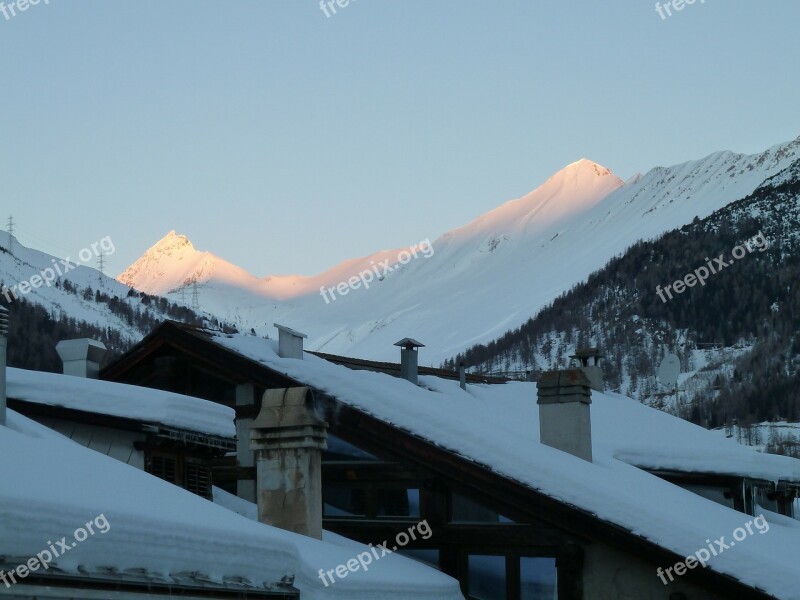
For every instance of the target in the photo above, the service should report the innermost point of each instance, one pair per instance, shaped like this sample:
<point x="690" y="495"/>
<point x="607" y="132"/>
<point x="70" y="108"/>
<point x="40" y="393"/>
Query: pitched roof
<point x="162" y="534"/>
<point x="143" y="405"/>
<point x="496" y="427"/>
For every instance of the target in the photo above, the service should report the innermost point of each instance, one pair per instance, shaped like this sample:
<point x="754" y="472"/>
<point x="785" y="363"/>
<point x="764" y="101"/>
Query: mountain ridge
<point x="494" y="272"/>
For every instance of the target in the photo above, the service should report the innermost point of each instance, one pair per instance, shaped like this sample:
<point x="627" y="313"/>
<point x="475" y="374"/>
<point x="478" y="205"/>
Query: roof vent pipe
<point x="409" y="360"/>
<point x="462" y="375"/>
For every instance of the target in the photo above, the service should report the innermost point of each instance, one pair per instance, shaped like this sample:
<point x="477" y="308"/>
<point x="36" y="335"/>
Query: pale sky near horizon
<point x="286" y="141"/>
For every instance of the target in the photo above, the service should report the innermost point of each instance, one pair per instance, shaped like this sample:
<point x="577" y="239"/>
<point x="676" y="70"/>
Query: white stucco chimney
<point x="565" y="423"/>
<point x="290" y="342"/>
<point x="81" y="357"/>
<point x="288" y="439"/>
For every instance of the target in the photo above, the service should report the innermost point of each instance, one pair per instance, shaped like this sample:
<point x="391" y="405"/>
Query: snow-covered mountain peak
<point x="173" y="262"/>
<point x="565" y="195"/>
<point x="170" y="243"/>
<point x="582" y="168"/>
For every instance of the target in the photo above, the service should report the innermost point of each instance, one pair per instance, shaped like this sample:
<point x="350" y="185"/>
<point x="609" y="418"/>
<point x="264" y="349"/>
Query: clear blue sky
<point x="286" y="141"/>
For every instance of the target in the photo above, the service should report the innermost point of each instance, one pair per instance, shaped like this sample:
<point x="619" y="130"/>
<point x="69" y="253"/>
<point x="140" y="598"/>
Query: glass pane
<point x="467" y="510"/>
<point x="338" y="449"/>
<point x="763" y="500"/>
<point x="429" y="557"/>
<point x="538" y="578"/>
<point x="398" y="503"/>
<point x="487" y="577"/>
<point x="343" y="501"/>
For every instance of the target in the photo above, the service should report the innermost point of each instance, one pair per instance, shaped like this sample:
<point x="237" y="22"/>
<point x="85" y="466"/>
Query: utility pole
<point x="10" y="229"/>
<point x="195" y="297"/>
<point x="101" y="263"/>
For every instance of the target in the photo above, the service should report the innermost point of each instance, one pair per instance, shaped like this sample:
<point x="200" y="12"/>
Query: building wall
<point x="115" y="443"/>
<point x="611" y="575"/>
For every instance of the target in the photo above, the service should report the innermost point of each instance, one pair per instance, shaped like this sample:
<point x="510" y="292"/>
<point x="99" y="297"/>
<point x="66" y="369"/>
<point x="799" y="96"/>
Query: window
<point x="428" y="557"/>
<point x="765" y="498"/>
<point x="198" y="479"/>
<point x="191" y="474"/>
<point x="538" y="580"/>
<point x="340" y="450"/>
<point x="341" y="500"/>
<point x="467" y="510"/>
<point x="397" y="503"/>
<point x="487" y="577"/>
<point x="163" y="467"/>
<point x="344" y="501"/>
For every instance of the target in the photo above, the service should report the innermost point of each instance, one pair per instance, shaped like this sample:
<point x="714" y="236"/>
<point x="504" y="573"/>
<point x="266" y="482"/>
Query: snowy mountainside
<point x="735" y="335"/>
<point x="480" y="280"/>
<point x="79" y="301"/>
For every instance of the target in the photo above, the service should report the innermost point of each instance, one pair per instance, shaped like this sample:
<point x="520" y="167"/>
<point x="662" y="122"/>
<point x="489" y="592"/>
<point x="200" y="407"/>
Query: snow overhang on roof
<point x="176" y="415"/>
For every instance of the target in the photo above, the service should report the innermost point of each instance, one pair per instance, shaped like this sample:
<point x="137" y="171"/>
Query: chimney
<point x="564" y="415"/>
<point x="3" y="352"/>
<point x="462" y="375"/>
<point x="288" y="438"/>
<point x="81" y="357"/>
<point x="409" y="358"/>
<point x="592" y="371"/>
<point x="290" y="342"/>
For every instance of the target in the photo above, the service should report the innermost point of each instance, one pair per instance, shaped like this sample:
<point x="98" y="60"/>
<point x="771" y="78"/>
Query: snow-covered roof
<point x="141" y="404"/>
<point x="165" y="531"/>
<point x="497" y="426"/>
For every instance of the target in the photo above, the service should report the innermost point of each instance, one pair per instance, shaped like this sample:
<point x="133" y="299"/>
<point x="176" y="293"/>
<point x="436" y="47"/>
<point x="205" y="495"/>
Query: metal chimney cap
<point x="290" y="331"/>
<point x="587" y="353"/>
<point x="409" y="343"/>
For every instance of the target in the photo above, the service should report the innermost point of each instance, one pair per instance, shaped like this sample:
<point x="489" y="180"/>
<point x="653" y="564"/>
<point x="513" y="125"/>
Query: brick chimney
<point x="564" y="399"/>
<point x="288" y="438"/>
